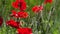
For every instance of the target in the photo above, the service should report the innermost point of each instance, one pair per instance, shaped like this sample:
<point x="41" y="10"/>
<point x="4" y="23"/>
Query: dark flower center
<point x="20" y="4"/>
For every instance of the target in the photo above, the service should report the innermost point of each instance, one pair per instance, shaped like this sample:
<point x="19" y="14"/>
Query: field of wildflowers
<point x="29" y="17"/>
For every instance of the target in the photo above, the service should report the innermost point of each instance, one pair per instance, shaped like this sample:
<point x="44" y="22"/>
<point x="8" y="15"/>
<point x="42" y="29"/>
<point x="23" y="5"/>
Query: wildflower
<point x="22" y="14"/>
<point x="12" y="23"/>
<point x="24" y="30"/>
<point x="48" y="1"/>
<point x="14" y="13"/>
<point x="37" y="9"/>
<point x="1" y="20"/>
<point x="21" y="4"/>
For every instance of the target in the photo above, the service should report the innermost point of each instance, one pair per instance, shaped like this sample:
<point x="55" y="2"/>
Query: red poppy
<point x="20" y="0"/>
<point x="22" y="14"/>
<point x="14" y="13"/>
<point x="40" y="8"/>
<point x="37" y="9"/>
<point x="1" y="20"/>
<point x="21" y="4"/>
<point x="24" y="30"/>
<point x="12" y="23"/>
<point x="48" y="1"/>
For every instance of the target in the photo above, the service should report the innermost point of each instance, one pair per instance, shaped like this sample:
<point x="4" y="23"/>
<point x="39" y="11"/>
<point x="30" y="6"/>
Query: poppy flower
<point x="1" y="20"/>
<point x="14" y="13"/>
<point x="12" y="23"/>
<point x="21" y="4"/>
<point x="37" y="9"/>
<point x="22" y="14"/>
<point x="24" y="30"/>
<point x="40" y="8"/>
<point x="48" y="1"/>
<point x="20" y="0"/>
